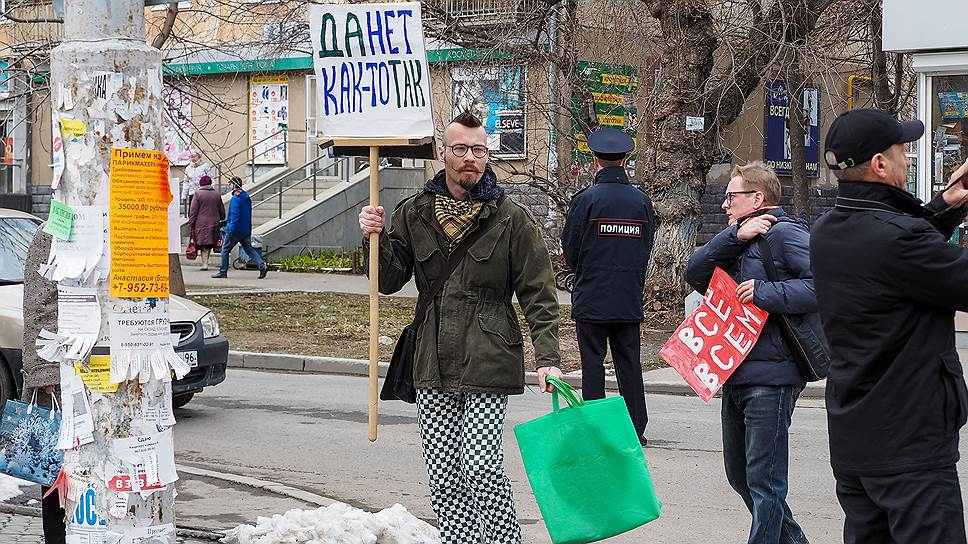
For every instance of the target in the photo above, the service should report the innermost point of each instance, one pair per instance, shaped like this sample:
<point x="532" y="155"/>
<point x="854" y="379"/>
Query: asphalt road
<point x="310" y="432"/>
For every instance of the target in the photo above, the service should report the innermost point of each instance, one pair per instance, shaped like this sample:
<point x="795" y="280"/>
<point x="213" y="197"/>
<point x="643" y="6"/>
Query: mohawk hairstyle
<point x="468" y="120"/>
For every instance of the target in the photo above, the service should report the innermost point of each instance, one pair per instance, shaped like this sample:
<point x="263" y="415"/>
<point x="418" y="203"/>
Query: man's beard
<point x="470" y="181"/>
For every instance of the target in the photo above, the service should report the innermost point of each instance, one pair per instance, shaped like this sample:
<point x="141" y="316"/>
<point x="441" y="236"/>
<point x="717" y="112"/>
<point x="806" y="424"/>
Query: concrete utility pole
<point x="105" y="75"/>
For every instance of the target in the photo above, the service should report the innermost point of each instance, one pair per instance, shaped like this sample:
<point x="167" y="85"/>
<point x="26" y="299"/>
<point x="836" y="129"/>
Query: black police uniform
<point x="607" y="240"/>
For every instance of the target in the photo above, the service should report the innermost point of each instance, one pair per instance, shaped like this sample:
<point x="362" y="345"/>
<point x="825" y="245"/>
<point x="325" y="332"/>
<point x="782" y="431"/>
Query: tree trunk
<point x="176" y="280"/>
<point x="798" y="149"/>
<point x="676" y="165"/>
<point x="120" y="109"/>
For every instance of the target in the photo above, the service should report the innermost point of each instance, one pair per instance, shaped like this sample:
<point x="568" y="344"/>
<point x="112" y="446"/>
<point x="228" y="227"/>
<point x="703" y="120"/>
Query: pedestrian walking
<point x="607" y="240"/>
<point x="469" y="354"/>
<point x="889" y="284"/>
<point x="40" y="376"/>
<point x="194" y="171"/>
<point x="761" y="394"/>
<point x="238" y="230"/>
<point x="205" y="217"/>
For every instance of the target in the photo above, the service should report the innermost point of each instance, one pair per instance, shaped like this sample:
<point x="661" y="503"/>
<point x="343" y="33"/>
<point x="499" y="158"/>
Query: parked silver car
<point x="200" y="343"/>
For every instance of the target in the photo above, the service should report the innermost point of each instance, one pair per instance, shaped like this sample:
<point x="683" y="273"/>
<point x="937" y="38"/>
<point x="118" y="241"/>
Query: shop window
<point x="949" y="135"/>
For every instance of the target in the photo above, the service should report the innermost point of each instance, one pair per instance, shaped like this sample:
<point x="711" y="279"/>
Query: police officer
<point x="607" y="240"/>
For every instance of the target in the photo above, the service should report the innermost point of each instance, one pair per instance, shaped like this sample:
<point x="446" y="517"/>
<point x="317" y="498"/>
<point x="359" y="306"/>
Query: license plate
<point x="190" y="357"/>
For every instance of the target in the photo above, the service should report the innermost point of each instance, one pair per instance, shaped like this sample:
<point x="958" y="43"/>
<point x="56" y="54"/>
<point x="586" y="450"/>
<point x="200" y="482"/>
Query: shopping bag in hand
<point x="28" y="442"/>
<point x="587" y="469"/>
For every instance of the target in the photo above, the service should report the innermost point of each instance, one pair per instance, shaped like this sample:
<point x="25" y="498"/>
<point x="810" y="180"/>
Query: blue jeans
<point x="230" y="241"/>
<point x="756" y="424"/>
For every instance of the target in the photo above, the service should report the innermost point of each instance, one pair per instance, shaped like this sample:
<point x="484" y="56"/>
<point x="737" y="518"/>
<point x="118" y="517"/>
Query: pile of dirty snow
<point x="10" y="487"/>
<point x="338" y="523"/>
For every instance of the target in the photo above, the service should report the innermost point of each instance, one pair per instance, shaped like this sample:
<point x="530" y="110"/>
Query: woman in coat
<point x="204" y="217"/>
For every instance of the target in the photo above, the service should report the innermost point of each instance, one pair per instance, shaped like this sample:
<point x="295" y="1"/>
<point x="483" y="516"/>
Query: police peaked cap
<point x="610" y="143"/>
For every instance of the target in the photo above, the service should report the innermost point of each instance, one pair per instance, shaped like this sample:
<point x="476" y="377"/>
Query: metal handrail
<point x="314" y="175"/>
<point x="277" y="178"/>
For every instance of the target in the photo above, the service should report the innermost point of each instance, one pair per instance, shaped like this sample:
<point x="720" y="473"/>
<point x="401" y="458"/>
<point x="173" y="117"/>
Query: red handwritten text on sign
<point x="712" y="342"/>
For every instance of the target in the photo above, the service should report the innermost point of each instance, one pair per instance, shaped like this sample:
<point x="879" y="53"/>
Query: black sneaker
<point x="220" y="275"/>
<point x="643" y="441"/>
<point x="263" y="272"/>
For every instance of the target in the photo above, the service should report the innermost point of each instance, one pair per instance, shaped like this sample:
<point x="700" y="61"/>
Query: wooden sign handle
<point x="374" y="294"/>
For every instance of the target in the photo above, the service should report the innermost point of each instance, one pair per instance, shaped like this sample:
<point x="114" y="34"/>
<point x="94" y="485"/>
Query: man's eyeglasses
<point x="729" y="196"/>
<point x="459" y="150"/>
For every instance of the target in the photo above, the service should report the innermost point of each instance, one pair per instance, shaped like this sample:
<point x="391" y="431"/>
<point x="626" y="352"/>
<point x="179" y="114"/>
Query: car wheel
<point x="181" y="400"/>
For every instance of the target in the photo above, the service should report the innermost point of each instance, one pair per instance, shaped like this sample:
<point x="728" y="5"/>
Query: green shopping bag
<point x="587" y="469"/>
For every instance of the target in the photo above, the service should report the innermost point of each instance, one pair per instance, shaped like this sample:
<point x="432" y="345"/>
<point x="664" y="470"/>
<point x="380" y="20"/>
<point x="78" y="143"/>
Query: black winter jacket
<point x="770" y="361"/>
<point x="889" y="283"/>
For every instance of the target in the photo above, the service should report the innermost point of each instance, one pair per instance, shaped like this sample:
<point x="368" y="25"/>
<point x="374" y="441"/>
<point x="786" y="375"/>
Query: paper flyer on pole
<point x="79" y="256"/>
<point x="373" y="80"/>
<point x="78" y="326"/>
<point x="715" y="339"/>
<point x="141" y="347"/>
<point x="139" y="223"/>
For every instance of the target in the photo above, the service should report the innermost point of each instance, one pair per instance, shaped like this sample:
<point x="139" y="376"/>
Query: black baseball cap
<point x="857" y="135"/>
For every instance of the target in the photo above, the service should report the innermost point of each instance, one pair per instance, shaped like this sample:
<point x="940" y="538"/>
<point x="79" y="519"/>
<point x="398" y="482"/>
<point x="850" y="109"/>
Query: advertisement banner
<point x="139" y="223"/>
<point x="176" y="124"/>
<point x="776" y="142"/>
<point x="954" y="105"/>
<point x="712" y="342"/>
<point x="269" y="114"/>
<point x="613" y="89"/>
<point x="372" y="76"/>
<point x="495" y="95"/>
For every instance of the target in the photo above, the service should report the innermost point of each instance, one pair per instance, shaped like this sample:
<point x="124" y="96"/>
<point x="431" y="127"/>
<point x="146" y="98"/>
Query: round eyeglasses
<point x="459" y="150"/>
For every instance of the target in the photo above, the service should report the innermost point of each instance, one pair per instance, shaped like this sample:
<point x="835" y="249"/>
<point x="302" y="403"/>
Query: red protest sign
<point x="712" y="342"/>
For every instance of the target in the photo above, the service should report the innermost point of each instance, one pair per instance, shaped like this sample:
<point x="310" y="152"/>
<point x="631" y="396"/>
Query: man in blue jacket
<point x="759" y="397"/>
<point x="238" y="230"/>
<point x="889" y="284"/>
<point x="607" y="240"/>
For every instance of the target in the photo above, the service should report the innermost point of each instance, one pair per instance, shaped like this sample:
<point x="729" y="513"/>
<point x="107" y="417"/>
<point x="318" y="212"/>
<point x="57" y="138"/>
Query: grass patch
<point x="337" y="325"/>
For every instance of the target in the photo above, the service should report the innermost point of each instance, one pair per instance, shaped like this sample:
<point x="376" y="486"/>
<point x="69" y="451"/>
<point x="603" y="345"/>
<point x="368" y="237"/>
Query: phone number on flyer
<point x="140" y="287"/>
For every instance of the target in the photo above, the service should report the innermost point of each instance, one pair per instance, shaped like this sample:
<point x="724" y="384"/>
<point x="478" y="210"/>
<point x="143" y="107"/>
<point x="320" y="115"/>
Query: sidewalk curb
<point x="359" y="367"/>
<point x="265" y="485"/>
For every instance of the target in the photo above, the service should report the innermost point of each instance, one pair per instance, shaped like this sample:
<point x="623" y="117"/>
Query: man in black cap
<point x="607" y="240"/>
<point x="888" y="285"/>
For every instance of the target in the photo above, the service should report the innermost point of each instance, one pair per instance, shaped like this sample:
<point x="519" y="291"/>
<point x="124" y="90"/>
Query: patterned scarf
<point x="456" y="217"/>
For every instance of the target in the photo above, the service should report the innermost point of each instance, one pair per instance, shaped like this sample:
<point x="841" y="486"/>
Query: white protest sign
<point x="141" y="347"/>
<point x="372" y="75"/>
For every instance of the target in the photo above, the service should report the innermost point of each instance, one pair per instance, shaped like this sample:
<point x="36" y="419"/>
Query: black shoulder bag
<point x="808" y="346"/>
<point x="398" y="384"/>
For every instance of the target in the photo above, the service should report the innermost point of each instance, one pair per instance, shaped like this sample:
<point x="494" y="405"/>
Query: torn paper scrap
<point x="156" y="534"/>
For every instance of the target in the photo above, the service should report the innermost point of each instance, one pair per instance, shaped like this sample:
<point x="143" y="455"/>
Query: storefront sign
<point x="372" y="75"/>
<point x="269" y="117"/>
<point x="712" y="342"/>
<point x="139" y="223"/>
<point x="954" y="105"/>
<point x="776" y="142"/>
<point x="495" y="95"/>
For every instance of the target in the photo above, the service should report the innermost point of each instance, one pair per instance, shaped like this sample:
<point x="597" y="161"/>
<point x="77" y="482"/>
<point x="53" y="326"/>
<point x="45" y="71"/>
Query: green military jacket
<point x="469" y="339"/>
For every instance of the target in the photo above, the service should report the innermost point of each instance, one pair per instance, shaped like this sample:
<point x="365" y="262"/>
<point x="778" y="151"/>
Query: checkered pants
<point x="462" y="446"/>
